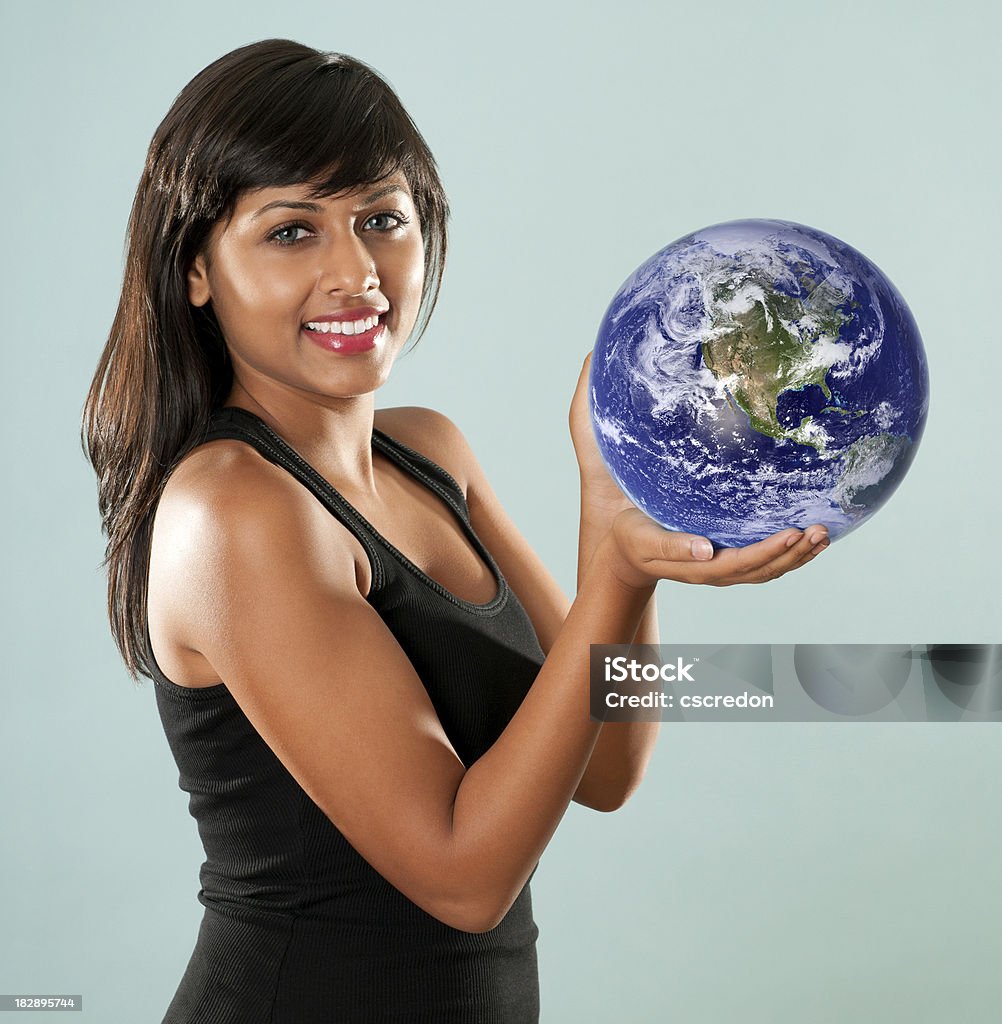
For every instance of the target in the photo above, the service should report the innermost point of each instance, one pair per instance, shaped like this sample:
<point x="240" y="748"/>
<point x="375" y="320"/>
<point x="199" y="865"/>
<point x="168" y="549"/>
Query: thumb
<point x="685" y="547"/>
<point x="701" y="548"/>
<point x="670" y="545"/>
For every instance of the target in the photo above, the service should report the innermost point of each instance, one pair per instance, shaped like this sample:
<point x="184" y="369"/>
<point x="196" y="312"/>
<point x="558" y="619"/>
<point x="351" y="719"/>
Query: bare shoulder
<point x="226" y="491"/>
<point x="222" y="486"/>
<point x="222" y="502"/>
<point x="434" y="435"/>
<point x="209" y="473"/>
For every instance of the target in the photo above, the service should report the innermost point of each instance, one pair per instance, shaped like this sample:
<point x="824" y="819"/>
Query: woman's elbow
<point x="608" y="804"/>
<point x="468" y="910"/>
<point x="609" y="798"/>
<point x="474" y="919"/>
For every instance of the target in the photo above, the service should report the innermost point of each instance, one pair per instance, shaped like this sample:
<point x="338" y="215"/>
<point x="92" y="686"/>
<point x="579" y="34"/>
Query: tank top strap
<point x="243" y="425"/>
<point x="430" y="473"/>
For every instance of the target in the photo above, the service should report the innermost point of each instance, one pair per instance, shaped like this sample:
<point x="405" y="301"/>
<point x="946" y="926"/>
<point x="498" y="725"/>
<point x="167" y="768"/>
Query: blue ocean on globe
<point x="758" y="375"/>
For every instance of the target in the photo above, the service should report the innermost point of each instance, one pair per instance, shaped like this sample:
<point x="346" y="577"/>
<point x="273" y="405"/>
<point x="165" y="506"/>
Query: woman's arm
<point x="271" y="603"/>
<point x="623" y="749"/>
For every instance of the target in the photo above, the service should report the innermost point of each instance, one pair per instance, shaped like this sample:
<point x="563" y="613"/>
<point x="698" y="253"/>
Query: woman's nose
<point x="348" y="266"/>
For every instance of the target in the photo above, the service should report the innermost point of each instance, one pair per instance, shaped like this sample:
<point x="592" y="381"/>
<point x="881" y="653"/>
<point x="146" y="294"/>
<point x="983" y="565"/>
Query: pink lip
<point x="346" y="344"/>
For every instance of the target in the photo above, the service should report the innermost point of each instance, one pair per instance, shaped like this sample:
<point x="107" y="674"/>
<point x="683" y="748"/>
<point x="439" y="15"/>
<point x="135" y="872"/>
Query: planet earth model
<point x="758" y="375"/>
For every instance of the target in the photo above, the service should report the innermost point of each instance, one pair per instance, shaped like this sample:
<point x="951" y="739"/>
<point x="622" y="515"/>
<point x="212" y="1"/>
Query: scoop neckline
<point x="393" y="449"/>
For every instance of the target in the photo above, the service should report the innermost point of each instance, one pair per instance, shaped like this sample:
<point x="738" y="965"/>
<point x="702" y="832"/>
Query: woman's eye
<point x="387" y="221"/>
<point x="288" y="234"/>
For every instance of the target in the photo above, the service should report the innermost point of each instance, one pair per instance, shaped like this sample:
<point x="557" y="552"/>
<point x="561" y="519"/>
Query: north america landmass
<point x="762" y="343"/>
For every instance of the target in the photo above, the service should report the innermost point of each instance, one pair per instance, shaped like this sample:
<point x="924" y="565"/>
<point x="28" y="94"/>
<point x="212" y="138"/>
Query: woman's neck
<point x="334" y="435"/>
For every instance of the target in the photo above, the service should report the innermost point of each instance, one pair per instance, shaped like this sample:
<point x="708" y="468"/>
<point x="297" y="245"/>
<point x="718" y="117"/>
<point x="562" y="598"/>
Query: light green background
<point x="792" y="873"/>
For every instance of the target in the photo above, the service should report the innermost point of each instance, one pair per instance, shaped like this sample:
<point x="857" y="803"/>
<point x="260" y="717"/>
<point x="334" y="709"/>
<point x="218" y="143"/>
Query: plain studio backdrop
<point x="783" y="873"/>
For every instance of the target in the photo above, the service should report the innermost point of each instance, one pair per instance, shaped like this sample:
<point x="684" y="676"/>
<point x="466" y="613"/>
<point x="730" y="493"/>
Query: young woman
<point x="376" y="695"/>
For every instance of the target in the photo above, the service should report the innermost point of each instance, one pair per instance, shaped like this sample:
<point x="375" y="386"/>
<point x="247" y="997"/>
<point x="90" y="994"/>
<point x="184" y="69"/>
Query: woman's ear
<point x="198" y="282"/>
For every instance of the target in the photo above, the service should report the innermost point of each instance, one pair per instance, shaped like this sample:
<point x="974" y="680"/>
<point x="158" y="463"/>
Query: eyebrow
<point x="298" y="204"/>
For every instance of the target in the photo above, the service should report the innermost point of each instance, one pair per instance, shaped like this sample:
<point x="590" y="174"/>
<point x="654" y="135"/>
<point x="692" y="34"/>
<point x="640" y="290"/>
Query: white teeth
<point x="347" y="327"/>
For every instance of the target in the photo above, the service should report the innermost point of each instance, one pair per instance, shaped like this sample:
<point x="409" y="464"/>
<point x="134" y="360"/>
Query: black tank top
<point x="298" y="928"/>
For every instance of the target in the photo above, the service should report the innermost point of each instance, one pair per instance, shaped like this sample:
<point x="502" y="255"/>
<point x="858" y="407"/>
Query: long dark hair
<point x="271" y="113"/>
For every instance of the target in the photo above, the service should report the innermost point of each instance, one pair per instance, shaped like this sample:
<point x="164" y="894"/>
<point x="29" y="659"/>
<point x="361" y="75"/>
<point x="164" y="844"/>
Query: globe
<point x="758" y="375"/>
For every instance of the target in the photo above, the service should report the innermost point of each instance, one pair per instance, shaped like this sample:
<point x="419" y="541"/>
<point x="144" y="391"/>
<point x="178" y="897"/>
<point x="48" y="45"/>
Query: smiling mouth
<point x="347" y="338"/>
<point x="348" y="328"/>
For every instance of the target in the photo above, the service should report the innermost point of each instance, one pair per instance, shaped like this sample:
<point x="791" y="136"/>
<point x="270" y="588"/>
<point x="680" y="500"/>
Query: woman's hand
<point x="639" y="552"/>
<point x="642" y="552"/>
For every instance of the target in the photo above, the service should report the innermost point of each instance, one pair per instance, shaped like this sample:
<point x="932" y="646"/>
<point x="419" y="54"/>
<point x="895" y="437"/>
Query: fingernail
<point x="792" y="539"/>
<point x="820" y="547"/>
<point x="702" y="549"/>
<point x="818" y="536"/>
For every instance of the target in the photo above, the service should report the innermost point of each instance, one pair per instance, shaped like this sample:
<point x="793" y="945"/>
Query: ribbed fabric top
<point x="298" y="928"/>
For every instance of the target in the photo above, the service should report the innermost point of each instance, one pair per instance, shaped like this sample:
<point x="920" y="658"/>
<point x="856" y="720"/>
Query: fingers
<point x="753" y="557"/>
<point x="763" y="561"/>
<point x="797" y="549"/>
<point x="651" y="552"/>
<point x="581" y="388"/>
<point x="582" y="384"/>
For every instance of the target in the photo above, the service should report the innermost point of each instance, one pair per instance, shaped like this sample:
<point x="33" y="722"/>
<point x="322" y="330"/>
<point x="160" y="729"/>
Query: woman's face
<point x="314" y="295"/>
